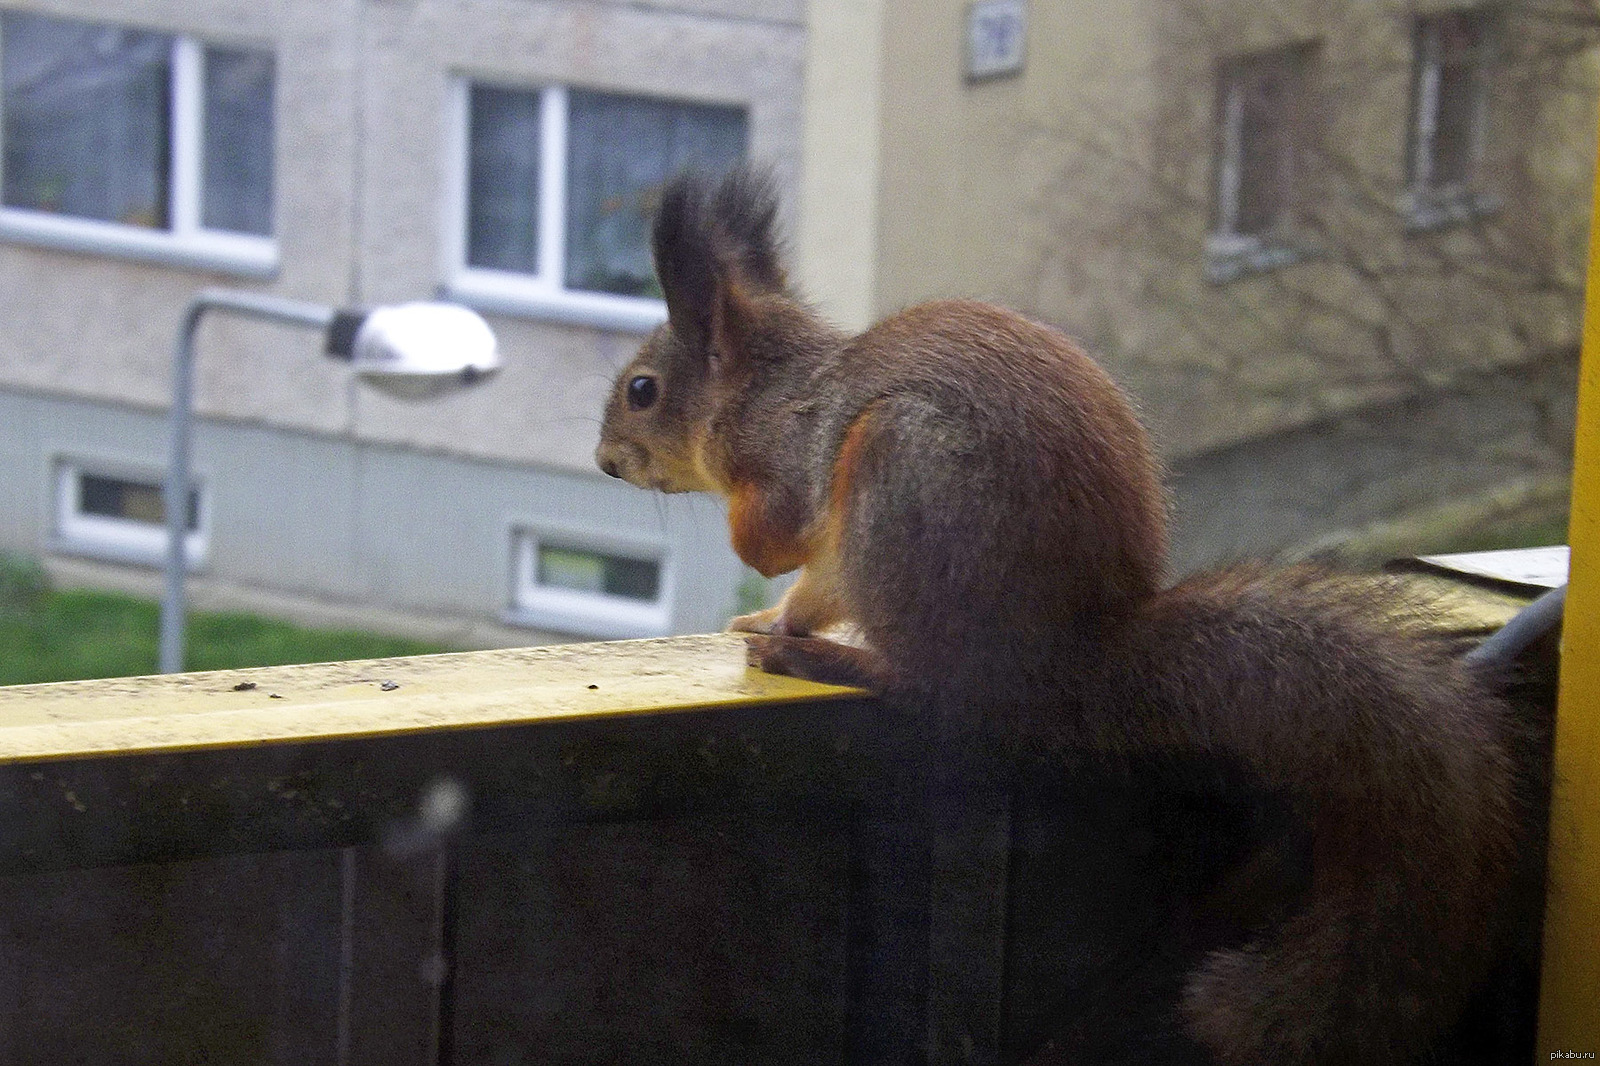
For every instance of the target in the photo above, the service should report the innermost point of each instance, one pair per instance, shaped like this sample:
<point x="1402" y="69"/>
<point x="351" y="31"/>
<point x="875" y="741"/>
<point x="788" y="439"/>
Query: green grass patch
<point x="73" y="634"/>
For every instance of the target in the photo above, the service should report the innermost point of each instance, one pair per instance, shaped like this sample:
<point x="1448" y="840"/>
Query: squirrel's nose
<point x="609" y="467"/>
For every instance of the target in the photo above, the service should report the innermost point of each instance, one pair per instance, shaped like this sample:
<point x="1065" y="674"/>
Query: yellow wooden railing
<point x="173" y="713"/>
<point x="644" y="842"/>
<point x="1569" y="1016"/>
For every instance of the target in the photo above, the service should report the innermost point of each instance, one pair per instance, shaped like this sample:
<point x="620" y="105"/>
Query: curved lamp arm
<point x="419" y="350"/>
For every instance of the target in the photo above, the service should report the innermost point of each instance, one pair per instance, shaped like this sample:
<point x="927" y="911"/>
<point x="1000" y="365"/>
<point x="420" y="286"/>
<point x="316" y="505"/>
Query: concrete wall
<point x="1446" y="471"/>
<point x="335" y="519"/>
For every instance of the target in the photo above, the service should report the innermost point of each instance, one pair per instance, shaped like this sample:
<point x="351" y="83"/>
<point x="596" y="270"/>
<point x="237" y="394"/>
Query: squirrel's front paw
<point x="761" y="651"/>
<point x="816" y="659"/>
<point x="777" y="653"/>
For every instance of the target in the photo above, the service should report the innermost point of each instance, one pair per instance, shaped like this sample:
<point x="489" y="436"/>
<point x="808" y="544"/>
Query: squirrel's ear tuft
<point x="745" y="206"/>
<point x="684" y="244"/>
<point x="712" y="245"/>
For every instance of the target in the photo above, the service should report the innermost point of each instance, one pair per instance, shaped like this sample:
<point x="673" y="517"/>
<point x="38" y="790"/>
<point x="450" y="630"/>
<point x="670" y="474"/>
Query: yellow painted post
<point x="1569" y="1007"/>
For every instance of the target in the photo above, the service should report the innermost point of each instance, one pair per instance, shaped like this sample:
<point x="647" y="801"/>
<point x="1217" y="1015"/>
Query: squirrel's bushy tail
<point x="1326" y="691"/>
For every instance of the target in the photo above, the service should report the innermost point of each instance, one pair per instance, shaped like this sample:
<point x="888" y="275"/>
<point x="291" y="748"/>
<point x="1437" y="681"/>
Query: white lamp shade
<point x="421" y="350"/>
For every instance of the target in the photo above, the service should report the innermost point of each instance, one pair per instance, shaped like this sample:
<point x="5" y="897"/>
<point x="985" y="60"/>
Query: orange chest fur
<point x="766" y="535"/>
<point x="775" y="535"/>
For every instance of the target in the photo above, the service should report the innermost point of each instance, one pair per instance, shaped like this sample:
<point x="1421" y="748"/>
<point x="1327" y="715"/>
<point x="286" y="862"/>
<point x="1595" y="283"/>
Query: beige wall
<point x="1080" y="192"/>
<point x="836" y="231"/>
<point x="961" y="160"/>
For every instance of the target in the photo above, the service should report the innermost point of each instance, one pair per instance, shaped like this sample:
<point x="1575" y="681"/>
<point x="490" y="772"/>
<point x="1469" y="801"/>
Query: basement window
<point x="120" y="515"/>
<point x="589" y="585"/>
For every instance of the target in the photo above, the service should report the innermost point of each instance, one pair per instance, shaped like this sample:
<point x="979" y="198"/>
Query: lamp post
<point x="413" y="350"/>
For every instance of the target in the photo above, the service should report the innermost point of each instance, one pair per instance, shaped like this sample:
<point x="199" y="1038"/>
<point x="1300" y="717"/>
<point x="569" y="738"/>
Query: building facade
<point x="359" y="153"/>
<point x="1335" y="250"/>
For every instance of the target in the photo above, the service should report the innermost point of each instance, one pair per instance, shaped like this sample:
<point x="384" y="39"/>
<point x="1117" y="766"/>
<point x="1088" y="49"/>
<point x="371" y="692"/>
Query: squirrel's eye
<point x="641" y="392"/>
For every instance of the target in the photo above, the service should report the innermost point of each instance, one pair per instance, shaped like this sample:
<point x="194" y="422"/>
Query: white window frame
<point x="1427" y="204"/>
<point x="186" y="242"/>
<point x="120" y="540"/>
<point x="591" y="614"/>
<point x="1230" y="254"/>
<point x="542" y="294"/>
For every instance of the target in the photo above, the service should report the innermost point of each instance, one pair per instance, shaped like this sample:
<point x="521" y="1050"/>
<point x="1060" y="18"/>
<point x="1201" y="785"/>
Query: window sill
<point x="1436" y="209"/>
<point x="229" y="253"/>
<point x="1229" y="257"/>
<point x="589" y="615"/>
<point x="127" y="551"/>
<point x="502" y="292"/>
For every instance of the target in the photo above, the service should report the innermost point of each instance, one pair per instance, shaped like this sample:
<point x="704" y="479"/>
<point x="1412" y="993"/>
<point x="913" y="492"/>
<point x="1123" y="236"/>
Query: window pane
<point x="586" y="571"/>
<point x="637" y="579"/>
<point x="136" y="501"/>
<point x="237" y="191"/>
<point x="621" y="149"/>
<point x="1460" y="51"/>
<point x="1449" y="97"/>
<point x="1452" y="133"/>
<point x="503" y="179"/>
<point x="1264" y="146"/>
<point x="86" y="119"/>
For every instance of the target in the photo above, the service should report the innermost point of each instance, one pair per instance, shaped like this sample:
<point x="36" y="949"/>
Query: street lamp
<point x="416" y="351"/>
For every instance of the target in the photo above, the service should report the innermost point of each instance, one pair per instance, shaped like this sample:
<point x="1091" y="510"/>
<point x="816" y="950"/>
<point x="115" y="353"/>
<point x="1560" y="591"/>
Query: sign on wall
<point x="996" y="36"/>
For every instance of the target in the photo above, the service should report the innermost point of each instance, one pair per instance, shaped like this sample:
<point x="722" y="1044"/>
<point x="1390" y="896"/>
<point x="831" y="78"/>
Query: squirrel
<point x="977" y="498"/>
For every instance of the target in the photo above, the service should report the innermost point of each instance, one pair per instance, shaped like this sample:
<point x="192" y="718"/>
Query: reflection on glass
<point x="503" y="180"/>
<point x="135" y="501"/>
<point x="237" y="184"/>
<point x="86" y="119"/>
<point x="587" y="571"/>
<point x="621" y="149"/>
